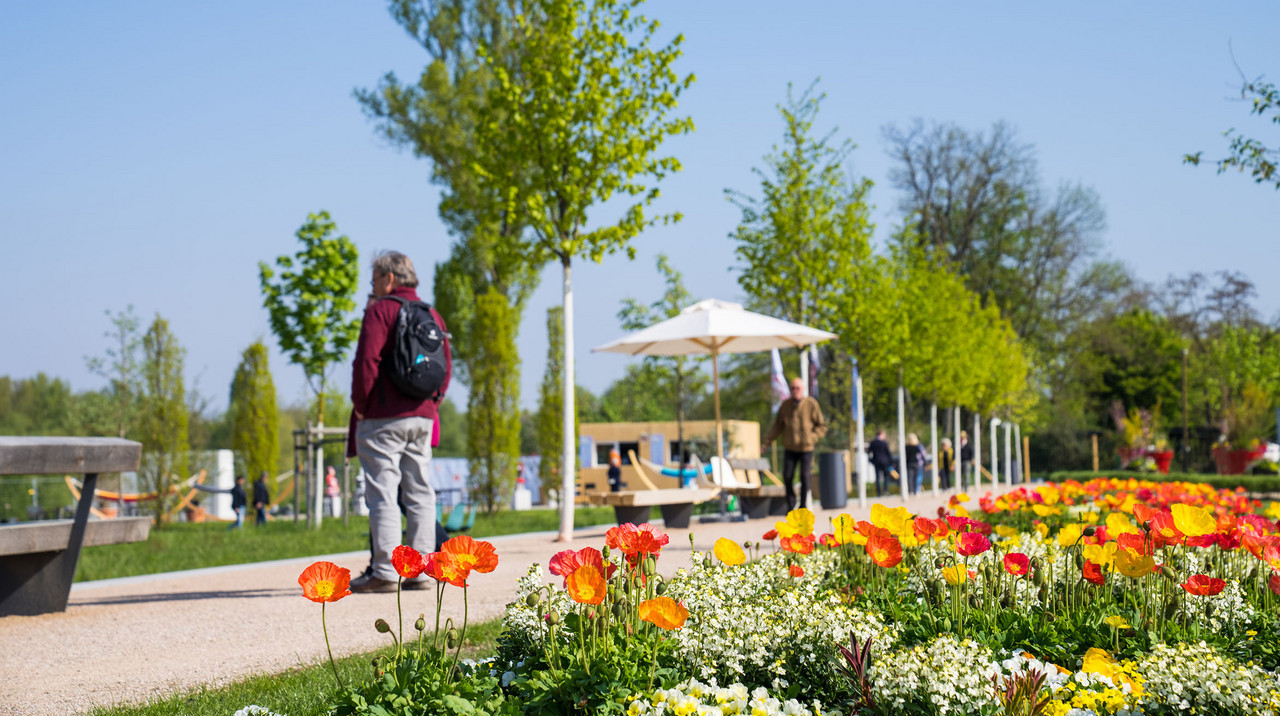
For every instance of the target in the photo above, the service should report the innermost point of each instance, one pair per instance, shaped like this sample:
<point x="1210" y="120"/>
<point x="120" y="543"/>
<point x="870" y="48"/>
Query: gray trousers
<point x="395" y="453"/>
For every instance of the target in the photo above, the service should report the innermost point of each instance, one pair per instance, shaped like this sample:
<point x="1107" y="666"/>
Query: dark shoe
<point x="369" y="584"/>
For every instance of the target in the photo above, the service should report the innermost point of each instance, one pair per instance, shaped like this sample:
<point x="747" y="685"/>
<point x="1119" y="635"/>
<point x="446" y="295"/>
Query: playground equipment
<point x="191" y="484"/>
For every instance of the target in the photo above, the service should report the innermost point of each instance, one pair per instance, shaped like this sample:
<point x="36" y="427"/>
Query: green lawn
<point x="191" y="546"/>
<point x="302" y="691"/>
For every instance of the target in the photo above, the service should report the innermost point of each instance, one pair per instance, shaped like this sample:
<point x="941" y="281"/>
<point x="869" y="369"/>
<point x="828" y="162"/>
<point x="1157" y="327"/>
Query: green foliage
<point x="254" y="420"/>
<point x="551" y="403"/>
<point x="453" y="431"/>
<point x="163" y="424"/>
<point x="1246" y="153"/>
<point x="308" y="303"/>
<point x="493" y="410"/>
<point x="121" y="369"/>
<point x="1134" y="357"/>
<point x="1243" y="366"/>
<point x="417" y="684"/>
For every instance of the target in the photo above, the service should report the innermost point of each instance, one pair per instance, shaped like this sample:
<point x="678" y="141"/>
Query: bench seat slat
<point x="56" y="456"/>
<point x="54" y="535"/>
<point x="638" y="498"/>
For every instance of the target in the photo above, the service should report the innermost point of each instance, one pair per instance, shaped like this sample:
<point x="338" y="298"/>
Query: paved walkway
<point x="130" y="639"/>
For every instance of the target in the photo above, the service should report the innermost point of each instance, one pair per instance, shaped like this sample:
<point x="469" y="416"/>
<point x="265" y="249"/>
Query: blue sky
<point x="151" y="153"/>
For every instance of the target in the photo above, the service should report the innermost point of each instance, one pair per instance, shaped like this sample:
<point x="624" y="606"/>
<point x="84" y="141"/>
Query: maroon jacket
<point x="372" y="393"/>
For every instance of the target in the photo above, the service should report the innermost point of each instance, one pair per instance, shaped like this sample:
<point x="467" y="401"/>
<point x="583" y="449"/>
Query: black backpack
<point x="417" y="365"/>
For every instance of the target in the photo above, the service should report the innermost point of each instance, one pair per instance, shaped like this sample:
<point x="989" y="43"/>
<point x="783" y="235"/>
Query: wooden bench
<point x="38" y="559"/>
<point x="634" y="505"/>
<point x="758" y="501"/>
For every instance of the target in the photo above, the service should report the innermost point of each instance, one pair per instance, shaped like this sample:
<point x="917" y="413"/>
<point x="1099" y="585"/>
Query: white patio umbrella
<point x="714" y="327"/>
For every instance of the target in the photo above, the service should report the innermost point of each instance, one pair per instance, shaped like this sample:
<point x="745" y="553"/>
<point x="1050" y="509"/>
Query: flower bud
<point x="661" y="589"/>
<point x="532" y="600"/>
<point x="1079" y="560"/>
<point x="420" y="624"/>
<point x="1170" y="610"/>
<point x="650" y="566"/>
<point x="946" y="624"/>
<point x="451" y="638"/>
<point x="553" y="617"/>
<point x="382" y="626"/>
<point x="1090" y="531"/>
<point x="1168" y="573"/>
<point x="605" y="552"/>
<point x="619" y="609"/>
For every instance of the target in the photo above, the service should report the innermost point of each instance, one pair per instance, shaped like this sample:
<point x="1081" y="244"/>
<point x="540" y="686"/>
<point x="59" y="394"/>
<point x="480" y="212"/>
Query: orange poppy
<point x="1145" y="513"/>
<point x="586" y="585"/>
<point x="868" y="530"/>
<point x="471" y="554"/>
<point x="1135" y="543"/>
<point x="924" y="528"/>
<point x="1164" y="531"/>
<point x="325" y="582"/>
<point x="663" y="612"/>
<point x="771" y="535"/>
<point x="444" y="567"/>
<point x="407" y="561"/>
<point x="1271" y="556"/>
<point x="970" y="544"/>
<point x="884" y="551"/>
<point x="796" y="570"/>
<point x="1017" y="564"/>
<point x="567" y="562"/>
<point x="1203" y="585"/>
<point x="800" y="544"/>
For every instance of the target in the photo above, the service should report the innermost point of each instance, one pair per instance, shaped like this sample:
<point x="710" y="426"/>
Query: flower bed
<point x="1101" y="597"/>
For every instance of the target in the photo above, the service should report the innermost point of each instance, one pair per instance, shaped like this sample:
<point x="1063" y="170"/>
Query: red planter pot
<point x="1163" y="458"/>
<point x="1237" y="462"/>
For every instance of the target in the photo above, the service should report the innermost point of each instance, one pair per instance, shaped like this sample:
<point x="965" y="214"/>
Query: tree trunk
<point x="902" y="439"/>
<point x="568" y="472"/>
<point x="933" y="443"/>
<point x="859" y="457"/>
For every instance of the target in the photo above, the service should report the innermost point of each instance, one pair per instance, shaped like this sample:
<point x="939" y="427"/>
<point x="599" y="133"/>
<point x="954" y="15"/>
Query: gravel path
<point x="136" y="638"/>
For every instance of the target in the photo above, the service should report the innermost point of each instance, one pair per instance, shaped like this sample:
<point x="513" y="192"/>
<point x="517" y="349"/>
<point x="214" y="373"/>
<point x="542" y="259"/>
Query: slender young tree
<point x="493" y="410"/>
<point x="549" y="418"/>
<point x="121" y="369"/>
<point x="575" y="120"/>
<point x="255" y="423"/>
<point x="163" y="423"/>
<point x="310" y="302"/>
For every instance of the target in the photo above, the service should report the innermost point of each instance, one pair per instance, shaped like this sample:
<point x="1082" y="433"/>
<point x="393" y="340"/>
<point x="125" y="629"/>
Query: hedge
<point x="1251" y="483"/>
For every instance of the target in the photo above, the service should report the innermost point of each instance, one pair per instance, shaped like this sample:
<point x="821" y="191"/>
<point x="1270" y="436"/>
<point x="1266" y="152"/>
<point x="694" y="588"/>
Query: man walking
<point x="261" y="498"/>
<point x="882" y="461"/>
<point x="393" y="427"/>
<point x="238" y="502"/>
<point x="799" y="422"/>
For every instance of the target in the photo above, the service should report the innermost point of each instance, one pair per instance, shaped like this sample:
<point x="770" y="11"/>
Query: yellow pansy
<point x="1193" y="521"/>
<point x="1069" y="535"/>
<point x="798" y="522"/>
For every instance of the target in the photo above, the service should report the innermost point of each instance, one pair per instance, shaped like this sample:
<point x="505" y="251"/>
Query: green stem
<point x="324" y="625"/>
<point x="463" y="636"/>
<point x="399" y="615"/>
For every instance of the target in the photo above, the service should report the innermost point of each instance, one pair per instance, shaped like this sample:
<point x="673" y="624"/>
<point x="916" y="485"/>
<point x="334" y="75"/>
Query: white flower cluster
<point x="944" y="676"/>
<point x="528" y="621"/>
<point x="252" y="710"/>
<point x="755" y="623"/>
<point x="693" y="697"/>
<point x="1196" y="678"/>
<point x="1228" y="609"/>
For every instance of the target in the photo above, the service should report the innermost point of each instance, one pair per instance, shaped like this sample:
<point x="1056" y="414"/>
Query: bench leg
<point x="677" y="516"/>
<point x="40" y="583"/>
<point x="755" y="508"/>
<point x="636" y="515"/>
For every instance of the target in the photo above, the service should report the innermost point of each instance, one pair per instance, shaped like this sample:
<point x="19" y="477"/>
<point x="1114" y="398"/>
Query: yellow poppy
<point x="1103" y="555"/>
<point x="1119" y="523"/>
<point x="1045" y="510"/>
<point x="897" y="520"/>
<point x="1134" y="565"/>
<point x="1050" y="495"/>
<point x="1069" y="535"/>
<point x="728" y="551"/>
<point x="1006" y="531"/>
<point x="799" y="522"/>
<point x="845" y="528"/>
<point x="1193" y="521"/>
<point x="954" y="575"/>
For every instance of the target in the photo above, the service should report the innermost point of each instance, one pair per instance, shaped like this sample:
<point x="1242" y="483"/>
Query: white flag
<point x="780" y="390"/>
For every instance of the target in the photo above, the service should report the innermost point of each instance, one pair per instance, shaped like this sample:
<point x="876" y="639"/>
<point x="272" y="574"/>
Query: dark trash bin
<point x="831" y="486"/>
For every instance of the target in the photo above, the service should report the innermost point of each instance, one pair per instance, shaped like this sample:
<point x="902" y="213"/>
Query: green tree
<point x="1135" y="358"/>
<point x="684" y="381"/>
<point x="121" y="369"/>
<point x="575" y="121"/>
<point x="493" y="410"/>
<point x="550" y="413"/>
<point x="1246" y="153"/>
<point x="309" y="303"/>
<point x="644" y="393"/>
<point x="255" y="424"/>
<point x="163" y="416"/>
<point x="453" y="431"/>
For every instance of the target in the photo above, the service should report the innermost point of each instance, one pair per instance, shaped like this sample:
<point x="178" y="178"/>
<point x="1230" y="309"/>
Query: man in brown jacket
<point x="799" y="422"/>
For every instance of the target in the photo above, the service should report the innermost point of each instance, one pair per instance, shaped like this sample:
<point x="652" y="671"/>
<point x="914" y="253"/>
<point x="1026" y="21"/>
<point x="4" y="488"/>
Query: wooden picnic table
<point x="634" y="505"/>
<point x="38" y="559"/>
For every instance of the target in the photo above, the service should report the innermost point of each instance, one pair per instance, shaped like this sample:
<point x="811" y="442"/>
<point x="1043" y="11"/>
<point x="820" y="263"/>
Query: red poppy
<point x="648" y="540"/>
<point x="1203" y="585"/>
<point x="567" y="562"/>
<point x="771" y="535"/>
<point x="972" y="543"/>
<point x="828" y="540"/>
<point x="1163" y="531"/>
<point x="1208" y="540"/>
<point x="1093" y="573"/>
<point x="798" y="544"/>
<point x="1229" y="540"/>
<point x="325" y="582"/>
<point x="925" y="528"/>
<point x="407" y="561"/>
<point x="868" y="530"/>
<point x="1271" y="556"/>
<point x="1257" y="544"/>
<point x="1144" y="513"/>
<point x="621" y="538"/>
<point x="1135" y="542"/>
<point x="1274" y="584"/>
<point x="796" y="570"/>
<point x="884" y="551"/>
<point x="1017" y="564"/>
<point x="957" y="523"/>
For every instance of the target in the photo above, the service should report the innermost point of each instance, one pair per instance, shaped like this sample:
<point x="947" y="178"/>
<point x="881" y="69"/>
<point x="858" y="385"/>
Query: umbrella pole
<point x="715" y="375"/>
